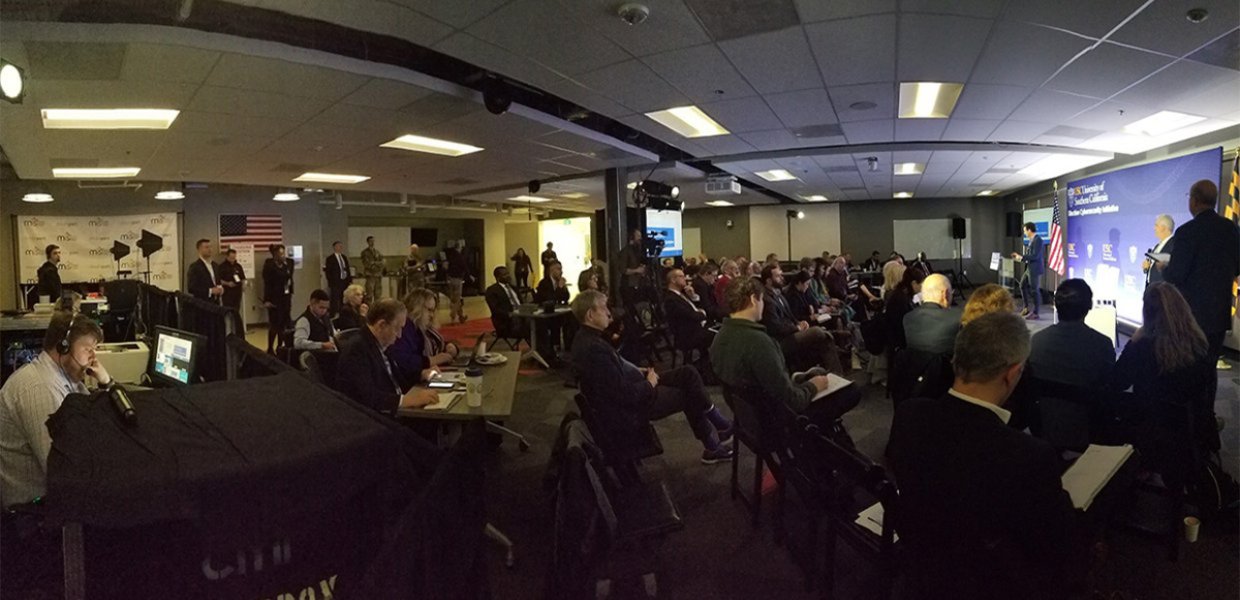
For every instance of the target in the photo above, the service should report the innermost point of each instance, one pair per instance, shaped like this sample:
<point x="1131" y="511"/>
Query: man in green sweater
<point x="746" y="358"/>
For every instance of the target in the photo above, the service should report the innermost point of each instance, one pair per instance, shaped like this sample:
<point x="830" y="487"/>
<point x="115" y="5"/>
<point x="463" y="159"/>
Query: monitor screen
<point x="665" y="225"/>
<point x="175" y="355"/>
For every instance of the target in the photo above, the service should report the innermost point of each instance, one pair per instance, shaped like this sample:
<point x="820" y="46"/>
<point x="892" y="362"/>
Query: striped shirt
<point x="31" y="394"/>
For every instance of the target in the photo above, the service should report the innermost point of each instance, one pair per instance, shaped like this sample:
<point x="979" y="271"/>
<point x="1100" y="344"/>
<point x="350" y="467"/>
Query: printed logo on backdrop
<point x="97" y="222"/>
<point x="129" y="236"/>
<point x="100" y="251"/>
<point x="32" y="222"/>
<point x="86" y="255"/>
<point x="158" y="220"/>
<point x="65" y="237"/>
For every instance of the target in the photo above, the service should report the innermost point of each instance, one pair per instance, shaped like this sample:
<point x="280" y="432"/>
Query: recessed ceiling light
<point x="986" y="193"/>
<point x="908" y="168"/>
<point x="37" y="198"/>
<point x="331" y="178"/>
<point x="108" y="118"/>
<point x="95" y="173"/>
<point x="418" y="143"/>
<point x="688" y="121"/>
<point x="903" y="195"/>
<point x="12" y="83"/>
<point x="1162" y="122"/>
<point x="527" y="198"/>
<point x="814" y="198"/>
<point x="776" y="175"/>
<point x="719" y="203"/>
<point x="928" y="99"/>
<point x="170" y="195"/>
<point x="574" y="195"/>
<point x="286" y="197"/>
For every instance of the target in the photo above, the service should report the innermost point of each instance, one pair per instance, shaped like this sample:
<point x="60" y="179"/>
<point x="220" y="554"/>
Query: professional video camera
<point x="653" y="244"/>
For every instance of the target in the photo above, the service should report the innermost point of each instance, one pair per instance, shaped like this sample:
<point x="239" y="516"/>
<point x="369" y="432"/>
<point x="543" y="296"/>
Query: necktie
<point x="387" y="366"/>
<point x="512" y="297"/>
<point x="344" y="271"/>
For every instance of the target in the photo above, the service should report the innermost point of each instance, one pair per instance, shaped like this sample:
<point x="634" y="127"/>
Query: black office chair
<point x="917" y="374"/>
<point x="623" y="451"/>
<point x="757" y="427"/>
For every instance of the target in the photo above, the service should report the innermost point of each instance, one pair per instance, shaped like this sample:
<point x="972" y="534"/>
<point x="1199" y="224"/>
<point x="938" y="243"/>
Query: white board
<point x="391" y="241"/>
<point x="932" y="236"/>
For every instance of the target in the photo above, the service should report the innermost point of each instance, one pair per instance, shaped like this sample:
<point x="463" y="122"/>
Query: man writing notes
<point x="1031" y="283"/>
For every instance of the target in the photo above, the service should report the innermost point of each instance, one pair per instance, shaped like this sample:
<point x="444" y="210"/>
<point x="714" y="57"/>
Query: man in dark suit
<point x="627" y="397"/>
<point x="984" y="514"/>
<point x="1163" y="226"/>
<point x="201" y="280"/>
<point x="1204" y="264"/>
<point x="804" y="346"/>
<point x="932" y="326"/>
<point x="503" y="301"/>
<point x="336" y="268"/>
<point x="1031" y="283"/>
<point x="363" y="372"/>
<point x="1069" y="351"/>
<point x="704" y="287"/>
<point x="49" y="274"/>
<point x="232" y="276"/>
<point x="277" y="292"/>
<point x="685" y="320"/>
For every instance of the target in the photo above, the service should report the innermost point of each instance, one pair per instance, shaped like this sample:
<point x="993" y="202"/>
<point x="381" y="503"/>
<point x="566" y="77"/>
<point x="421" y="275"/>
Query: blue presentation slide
<point x="665" y="225"/>
<point x="1110" y="220"/>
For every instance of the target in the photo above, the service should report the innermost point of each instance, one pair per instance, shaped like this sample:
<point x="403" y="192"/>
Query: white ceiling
<point x="1044" y="72"/>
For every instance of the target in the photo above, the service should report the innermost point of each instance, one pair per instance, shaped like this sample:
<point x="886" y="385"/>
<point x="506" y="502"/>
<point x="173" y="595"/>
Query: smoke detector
<point x="633" y="13"/>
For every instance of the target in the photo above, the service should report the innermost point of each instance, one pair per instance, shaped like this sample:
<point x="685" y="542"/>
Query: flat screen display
<point x="665" y="225"/>
<point x="174" y="356"/>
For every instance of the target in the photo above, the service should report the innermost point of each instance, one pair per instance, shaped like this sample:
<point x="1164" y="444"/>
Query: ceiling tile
<point x="812" y="11"/>
<point x="671" y="25"/>
<point x="1217" y="100"/>
<point x="733" y="19"/>
<point x="1162" y="26"/>
<point x="920" y="130"/>
<point x="456" y="14"/>
<point x="634" y="85"/>
<point x="1045" y="106"/>
<point x="1105" y="70"/>
<point x="1018" y="131"/>
<point x="1110" y="116"/>
<point x="1222" y="52"/>
<point x="988" y="9"/>
<point x="982" y="101"/>
<point x="386" y="94"/>
<point x="701" y="72"/>
<point x="204" y="122"/>
<point x="801" y="108"/>
<point x="1039" y="52"/>
<point x="774" y="62"/>
<point x="384" y="18"/>
<point x="254" y="104"/>
<point x="724" y="144"/>
<point x="939" y="48"/>
<point x="582" y="96"/>
<point x="1179" y="81"/>
<point x="868" y="132"/>
<point x="836" y="45"/>
<point x="544" y="32"/>
<point x="493" y="58"/>
<point x="109" y="94"/>
<point x="1093" y="19"/>
<point x="283" y="77"/>
<point x="883" y="95"/>
<point x="777" y="139"/>
<point x="968" y="130"/>
<point x="165" y="63"/>
<point x="384" y="123"/>
<point x="742" y="115"/>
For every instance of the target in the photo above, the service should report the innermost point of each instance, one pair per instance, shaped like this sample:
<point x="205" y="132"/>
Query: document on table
<point x="872" y="519"/>
<point x="835" y="383"/>
<point x="446" y="400"/>
<point x="1092" y="471"/>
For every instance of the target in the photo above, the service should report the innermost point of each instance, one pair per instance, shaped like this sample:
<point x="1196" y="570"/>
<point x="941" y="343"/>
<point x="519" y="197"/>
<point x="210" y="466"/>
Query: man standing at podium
<point x="1031" y="282"/>
<point x="1163" y="226"/>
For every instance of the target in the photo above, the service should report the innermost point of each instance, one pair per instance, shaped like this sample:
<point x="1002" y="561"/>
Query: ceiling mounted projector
<point x="722" y="186"/>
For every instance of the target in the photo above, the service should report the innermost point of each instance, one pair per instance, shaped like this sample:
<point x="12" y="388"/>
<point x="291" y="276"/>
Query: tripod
<point x="961" y="279"/>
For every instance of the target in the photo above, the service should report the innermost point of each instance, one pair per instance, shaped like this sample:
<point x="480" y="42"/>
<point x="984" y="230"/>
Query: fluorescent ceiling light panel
<point x="525" y="198"/>
<point x="909" y="168"/>
<point x="903" y="195"/>
<point x="1162" y="122"/>
<point x="37" y="198"/>
<point x="719" y="203"/>
<point x="776" y="175"/>
<point x="418" y="143"/>
<point x="286" y="197"/>
<point x="814" y="198"/>
<point x="928" y="99"/>
<point x="331" y="178"/>
<point x="574" y="195"/>
<point x="1058" y="164"/>
<point x="95" y="173"/>
<point x="688" y="121"/>
<point x="170" y="195"/>
<point x="108" y="118"/>
<point x="986" y="193"/>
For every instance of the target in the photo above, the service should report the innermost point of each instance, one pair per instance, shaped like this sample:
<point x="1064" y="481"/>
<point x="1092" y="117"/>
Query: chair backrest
<point x="854" y="475"/>
<point x="636" y="445"/>
<point x="755" y="417"/>
<point x="918" y="374"/>
<point x="1066" y="414"/>
<point x="310" y="365"/>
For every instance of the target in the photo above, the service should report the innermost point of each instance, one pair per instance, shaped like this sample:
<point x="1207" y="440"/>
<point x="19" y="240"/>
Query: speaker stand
<point x="961" y="280"/>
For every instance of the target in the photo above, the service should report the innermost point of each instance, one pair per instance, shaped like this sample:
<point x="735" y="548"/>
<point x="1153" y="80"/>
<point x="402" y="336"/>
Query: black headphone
<point x="62" y="347"/>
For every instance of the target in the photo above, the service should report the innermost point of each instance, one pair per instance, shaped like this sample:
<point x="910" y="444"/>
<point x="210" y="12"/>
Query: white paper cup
<point x="44" y="299"/>
<point x="1192" y="526"/>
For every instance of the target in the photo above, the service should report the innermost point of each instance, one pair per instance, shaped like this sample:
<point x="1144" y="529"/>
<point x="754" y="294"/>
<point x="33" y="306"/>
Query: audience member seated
<point x="685" y="320"/>
<point x="704" y="286"/>
<point x="1168" y="366"/>
<point x="989" y="298"/>
<point x="313" y="330"/>
<point x="423" y="305"/>
<point x="801" y="299"/>
<point x="932" y="326"/>
<point x="353" y="309"/>
<point x="922" y="263"/>
<point x="984" y="514"/>
<point x="729" y="270"/>
<point x="873" y="264"/>
<point x="803" y="346"/>
<point x="743" y="356"/>
<point x="554" y="289"/>
<point x="587" y="280"/>
<point x="1070" y="351"/>
<point x="363" y="371"/>
<point x="502" y="300"/>
<point x="628" y="396"/>
<point x="836" y="280"/>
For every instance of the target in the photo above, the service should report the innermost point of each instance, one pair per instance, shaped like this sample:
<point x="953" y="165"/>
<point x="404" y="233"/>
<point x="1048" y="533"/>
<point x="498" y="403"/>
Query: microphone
<point x="122" y="404"/>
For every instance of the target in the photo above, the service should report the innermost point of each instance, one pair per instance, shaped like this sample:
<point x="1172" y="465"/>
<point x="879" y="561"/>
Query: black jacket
<point x="331" y="267"/>
<point x="777" y="315"/>
<point x="1205" y="262"/>
<point x="362" y="376"/>
<point x="800" y="303"/>
<point x="618" y="390"/>
<point x="896" y="304"/>
<point x="684" y="320"/>
<point x="708" y="301"/>
<point x="199" y="280"/>
<point x="230" y="273"/>
<point x="348" y="319"/>
<point x="547" y="292"/>
<point x="1154" y="275"/>
<point x="1072" y="353"/>
<point x="932" y="328"/>
<point x="49" y="282"/>
<point x="501" y="309"/>
<point x="275" y="277"/>
<point x="982" y="508"/>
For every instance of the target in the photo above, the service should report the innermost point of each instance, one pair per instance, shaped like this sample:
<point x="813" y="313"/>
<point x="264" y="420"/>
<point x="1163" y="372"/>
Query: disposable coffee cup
<point x="1192" y="526"/>
<point x="473" y="387"/>
<point x="482" y="348"/>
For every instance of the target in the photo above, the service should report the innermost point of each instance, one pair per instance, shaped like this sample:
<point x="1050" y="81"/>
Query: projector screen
<point x="1111" y="223"/>
<point x="665" y="225"/>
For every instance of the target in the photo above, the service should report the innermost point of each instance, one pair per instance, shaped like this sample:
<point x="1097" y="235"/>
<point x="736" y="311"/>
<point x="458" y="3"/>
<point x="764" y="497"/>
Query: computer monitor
<point x="175" y="358"/>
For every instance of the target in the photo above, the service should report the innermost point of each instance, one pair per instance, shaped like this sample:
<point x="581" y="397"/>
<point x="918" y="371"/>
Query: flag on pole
<point x="1055" y="260"/>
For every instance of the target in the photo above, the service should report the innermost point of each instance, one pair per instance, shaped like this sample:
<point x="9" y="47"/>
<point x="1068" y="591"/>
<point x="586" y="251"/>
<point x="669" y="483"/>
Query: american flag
<point x="1055" y="260"/>
<point x="251" y="230"/>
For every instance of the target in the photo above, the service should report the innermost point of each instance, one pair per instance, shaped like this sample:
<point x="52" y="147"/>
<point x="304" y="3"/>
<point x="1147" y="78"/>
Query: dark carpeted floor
<point x="720" y="555"/>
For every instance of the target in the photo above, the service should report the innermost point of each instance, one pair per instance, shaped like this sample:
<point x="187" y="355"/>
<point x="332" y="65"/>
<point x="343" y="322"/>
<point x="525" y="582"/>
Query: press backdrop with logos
<point x="86" y="242"/>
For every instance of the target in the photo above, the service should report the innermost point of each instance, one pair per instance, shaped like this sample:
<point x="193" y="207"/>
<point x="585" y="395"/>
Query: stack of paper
<point x="1092" y="471"/>
<point x="446" y="400"/>
<point x="835" y="383"/>
<point x="872" y="519"/>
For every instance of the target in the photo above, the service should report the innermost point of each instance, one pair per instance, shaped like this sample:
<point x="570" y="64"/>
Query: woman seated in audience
<point x="420" y="349"/>
<point x="728" y="271"/>
<point x="898" y="303"/>
<point x="1168" y="366"/>
<point x="989" y="298"/>
<point x="587" y="280"/>
<point x="892" y="273"/>
<point x="353" y="309"/>
<point x="818" y="281"/>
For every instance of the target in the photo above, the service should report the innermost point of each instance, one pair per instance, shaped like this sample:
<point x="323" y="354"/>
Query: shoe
<point x="464" y="318"/>
<point x="718" y="455"/>
<point x="726" y="436"/>
<point x="1033" y="317"/>
<point x="1024" y="312"/>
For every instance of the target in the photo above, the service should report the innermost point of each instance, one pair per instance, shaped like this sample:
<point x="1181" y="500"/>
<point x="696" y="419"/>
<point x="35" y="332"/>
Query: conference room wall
<point x="867" y="225"/>
<point x="717" y="238"/>
<point x="522" y="234"/>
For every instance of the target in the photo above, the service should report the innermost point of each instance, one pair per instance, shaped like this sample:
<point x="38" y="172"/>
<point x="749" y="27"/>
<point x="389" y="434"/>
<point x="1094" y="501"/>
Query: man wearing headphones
<point x="34" y="392"/>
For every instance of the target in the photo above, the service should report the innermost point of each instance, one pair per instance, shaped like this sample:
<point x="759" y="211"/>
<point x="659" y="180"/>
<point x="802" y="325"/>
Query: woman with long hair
<point x="989" y="298"/>
<point x="893" y="272"/>
<point x="899" y="302"/>
<point x="521" y="267"/>
<point x="420" y="348"/>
